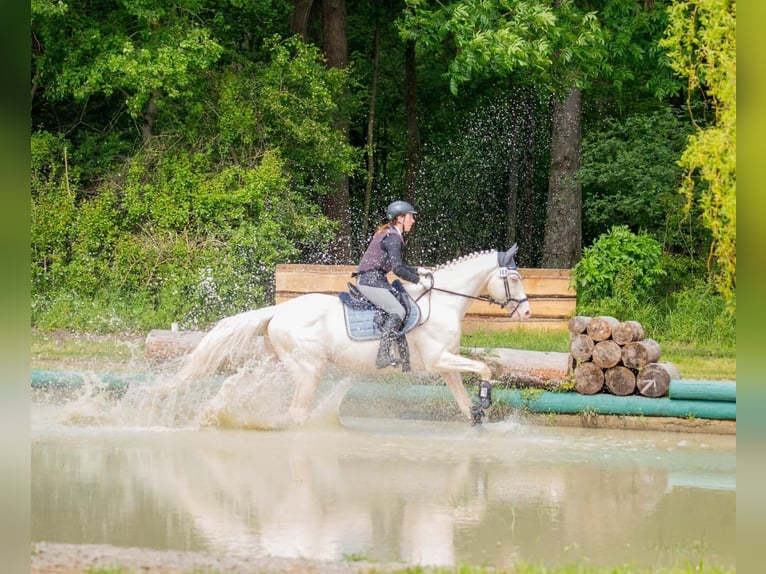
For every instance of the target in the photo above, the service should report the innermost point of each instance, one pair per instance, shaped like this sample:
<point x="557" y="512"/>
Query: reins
<point x="486" y="298"/>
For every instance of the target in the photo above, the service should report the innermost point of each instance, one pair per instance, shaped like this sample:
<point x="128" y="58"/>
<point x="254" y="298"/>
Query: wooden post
<point x="164" y="344"/>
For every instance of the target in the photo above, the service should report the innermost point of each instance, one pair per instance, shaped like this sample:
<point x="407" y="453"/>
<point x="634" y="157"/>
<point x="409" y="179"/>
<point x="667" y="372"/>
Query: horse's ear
<point x="506" y="258"/>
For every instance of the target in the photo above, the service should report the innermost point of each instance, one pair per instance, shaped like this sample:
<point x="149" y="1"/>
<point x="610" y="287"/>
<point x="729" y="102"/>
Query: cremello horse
<point x="308" y="332"/>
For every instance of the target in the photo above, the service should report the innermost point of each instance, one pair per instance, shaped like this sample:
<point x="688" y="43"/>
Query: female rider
<point x="383" y="255"/>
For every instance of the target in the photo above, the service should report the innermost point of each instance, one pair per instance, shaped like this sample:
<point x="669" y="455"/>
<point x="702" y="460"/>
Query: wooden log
<point x="638" y="354"/>
<point x="589" y="378"/>
<point x="654" y="379"/>
<point x="600" y="328"/>
<point x="627" y="332"/>
<point x="606" y="354"/>
<point x="164" y="344"/>
<point x="578" y="324"/>
<point x="620" y="380"/>
<point x="581" y="347"/>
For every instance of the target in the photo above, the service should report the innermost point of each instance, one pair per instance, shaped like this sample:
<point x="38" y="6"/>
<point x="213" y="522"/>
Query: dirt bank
<point x="50" y="558"/>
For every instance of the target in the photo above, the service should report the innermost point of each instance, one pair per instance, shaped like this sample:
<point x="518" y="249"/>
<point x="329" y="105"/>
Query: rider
<point x="383" y="255"/>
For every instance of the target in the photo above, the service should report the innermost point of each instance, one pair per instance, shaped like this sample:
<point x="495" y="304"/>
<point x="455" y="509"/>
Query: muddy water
<point x="413" y="491"/>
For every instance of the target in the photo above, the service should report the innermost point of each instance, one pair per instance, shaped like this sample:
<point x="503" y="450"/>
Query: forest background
<point x="179" y="153"/>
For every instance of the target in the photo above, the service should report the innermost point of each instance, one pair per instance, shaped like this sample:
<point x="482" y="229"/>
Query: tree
<point x="558" y="47"/>
<point x="335" y="204"/>
<point x="137" y="54"/>
<point x="701" y="42"/>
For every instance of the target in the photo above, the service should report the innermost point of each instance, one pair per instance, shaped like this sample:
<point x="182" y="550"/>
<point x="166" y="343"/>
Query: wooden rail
<point x="551" y="298"/>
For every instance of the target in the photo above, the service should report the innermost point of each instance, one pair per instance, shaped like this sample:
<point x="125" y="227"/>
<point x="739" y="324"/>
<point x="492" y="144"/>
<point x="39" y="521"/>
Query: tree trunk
<point x="336" y="204"/>
<point x="413" y="131"/>
<point x="299" y="22"/>
<point x="371" y="138"/>
<point x="563" y="227"/>
<point x="150" y="117"/>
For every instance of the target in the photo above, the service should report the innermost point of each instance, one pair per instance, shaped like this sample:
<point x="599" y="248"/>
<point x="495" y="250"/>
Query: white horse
<point x="308" y="332"/>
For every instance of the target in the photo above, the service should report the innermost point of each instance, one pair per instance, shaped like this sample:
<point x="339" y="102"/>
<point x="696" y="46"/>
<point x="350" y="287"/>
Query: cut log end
<point x="600" y="328"/>
<point x="654" y="379"/>
<point x="589" y="378"/>
<point x="620" y="380"/>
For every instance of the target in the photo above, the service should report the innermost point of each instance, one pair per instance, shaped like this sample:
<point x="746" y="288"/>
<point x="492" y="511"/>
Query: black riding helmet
<point x="397" y="208"/>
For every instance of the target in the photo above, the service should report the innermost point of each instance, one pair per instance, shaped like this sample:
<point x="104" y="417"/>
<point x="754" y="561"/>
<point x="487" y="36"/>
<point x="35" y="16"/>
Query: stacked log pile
<point x="607" y="355"/>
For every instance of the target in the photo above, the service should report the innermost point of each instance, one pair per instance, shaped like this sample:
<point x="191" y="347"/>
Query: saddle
<point x="364" y="319"/>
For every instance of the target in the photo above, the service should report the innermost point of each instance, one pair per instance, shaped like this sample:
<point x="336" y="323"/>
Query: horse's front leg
<point x="450" y="366"/>
<point x="455" y="385"/>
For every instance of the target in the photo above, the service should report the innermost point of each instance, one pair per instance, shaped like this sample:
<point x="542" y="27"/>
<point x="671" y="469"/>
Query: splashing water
<point x="255" y="396"/>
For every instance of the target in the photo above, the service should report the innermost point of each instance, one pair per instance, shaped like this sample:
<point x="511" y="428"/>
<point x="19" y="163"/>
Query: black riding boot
<point x="387" y="337"/>
<point x="404" y="353"/>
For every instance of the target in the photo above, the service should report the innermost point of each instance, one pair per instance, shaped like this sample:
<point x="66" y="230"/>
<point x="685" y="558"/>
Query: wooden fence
<point x="551" y="298"/>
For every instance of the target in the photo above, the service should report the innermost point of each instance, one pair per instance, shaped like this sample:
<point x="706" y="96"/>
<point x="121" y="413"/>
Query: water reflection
<point x="391" y="490"/>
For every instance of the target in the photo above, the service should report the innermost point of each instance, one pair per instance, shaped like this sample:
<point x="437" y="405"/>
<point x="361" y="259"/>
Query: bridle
<point x="504" y="272"/>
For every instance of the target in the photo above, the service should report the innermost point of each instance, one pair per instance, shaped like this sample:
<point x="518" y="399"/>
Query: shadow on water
<point x="172" y="467"/>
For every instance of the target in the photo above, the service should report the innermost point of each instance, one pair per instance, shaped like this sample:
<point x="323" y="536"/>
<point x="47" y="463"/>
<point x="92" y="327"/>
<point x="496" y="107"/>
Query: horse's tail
<point x="225" y="342"/>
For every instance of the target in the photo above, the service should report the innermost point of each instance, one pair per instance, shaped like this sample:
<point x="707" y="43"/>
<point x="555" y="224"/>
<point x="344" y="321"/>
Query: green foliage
<point x="701" y="41"/>
<point x="699" y="316"/>
<point x="630" y="176"/>
<point x="181" y="244"/>
<point x="557" y="47"/>
<point x="618" y="264"/>
<point x="138" y="50"/>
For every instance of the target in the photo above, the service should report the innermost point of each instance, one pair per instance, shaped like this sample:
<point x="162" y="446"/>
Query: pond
<point x="428" y="492"/>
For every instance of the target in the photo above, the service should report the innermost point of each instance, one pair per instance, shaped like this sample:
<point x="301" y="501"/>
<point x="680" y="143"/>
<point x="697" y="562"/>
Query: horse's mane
<point x="463" y="258"/>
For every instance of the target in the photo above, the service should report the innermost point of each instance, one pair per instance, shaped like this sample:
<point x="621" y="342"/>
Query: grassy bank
<point x="67" y="349"/>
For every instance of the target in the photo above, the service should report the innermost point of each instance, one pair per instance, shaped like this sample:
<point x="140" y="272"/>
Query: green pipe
<point x="57" y="379"/>
<point x="572" y="403"/>
<point x="564" y="403"/>
<point x="439" y="395"/>
<point x="703" y="390"/>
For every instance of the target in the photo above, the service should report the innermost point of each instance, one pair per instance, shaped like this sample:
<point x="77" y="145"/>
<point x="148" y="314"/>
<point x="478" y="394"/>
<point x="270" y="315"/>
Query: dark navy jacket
<point x="383" y="255"/>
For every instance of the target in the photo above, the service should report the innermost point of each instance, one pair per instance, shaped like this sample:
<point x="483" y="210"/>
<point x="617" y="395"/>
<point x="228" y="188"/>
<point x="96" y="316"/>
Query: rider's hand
<point x="426" y="277"/>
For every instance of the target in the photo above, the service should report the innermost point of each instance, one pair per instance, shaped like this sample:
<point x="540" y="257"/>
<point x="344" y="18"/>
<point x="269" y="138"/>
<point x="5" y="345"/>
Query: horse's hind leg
<point x="306" y="378"/>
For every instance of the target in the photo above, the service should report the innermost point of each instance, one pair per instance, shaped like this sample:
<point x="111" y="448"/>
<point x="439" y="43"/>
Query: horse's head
<point x="504" y="285"/>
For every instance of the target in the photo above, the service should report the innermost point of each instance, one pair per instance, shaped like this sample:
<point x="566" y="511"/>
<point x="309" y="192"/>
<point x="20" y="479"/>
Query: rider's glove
<point x="426" y="274"/>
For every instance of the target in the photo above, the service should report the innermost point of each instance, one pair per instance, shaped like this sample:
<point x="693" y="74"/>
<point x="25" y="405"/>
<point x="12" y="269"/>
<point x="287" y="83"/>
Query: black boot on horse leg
<point x="404" y="353"/>
<point x="388" y="336"/>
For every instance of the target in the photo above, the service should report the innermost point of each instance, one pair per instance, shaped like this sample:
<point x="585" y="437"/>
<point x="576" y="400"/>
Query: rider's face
<point x="407" y="222"/>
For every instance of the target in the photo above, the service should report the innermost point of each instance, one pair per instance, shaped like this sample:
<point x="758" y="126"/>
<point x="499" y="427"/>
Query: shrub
<point x="618" y="264"/>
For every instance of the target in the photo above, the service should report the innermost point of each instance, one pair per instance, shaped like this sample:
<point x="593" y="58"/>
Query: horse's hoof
<point x="477" y="415"/>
